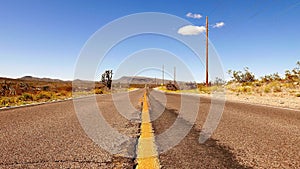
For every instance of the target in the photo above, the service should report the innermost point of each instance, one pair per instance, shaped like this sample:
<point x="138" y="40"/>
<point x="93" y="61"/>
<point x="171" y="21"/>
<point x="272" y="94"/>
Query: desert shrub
<point x="294" y="74"/>
<point x="2" y="102"/>
<point x="26" y="97"/>
<point x="64" y="94"/>
<point x="204" y="89"/>
<point x="46" y="88"/>
<point x="244" y="89"/>
<point x="274" y="86"/>
<point x="298" y="95"/>
<point x="209" y="89"/>
<point x="67" y="88"/>
<point x="44" y="95"/>
<point x="219" y="81"/>
<point x="277" y="89"/>
<point x="232" y="89"/>
<point x="271" y="77"/>
<point x="6" y="101"/>
<point x="60" y="94"/>
<point x="258" y="90"/>
<point x="257" y="84"/>
<point x="248" y="84"/>
<point x="13" y="100"/>
<point x="98" y="91"/>
<point x="267" y="89"/>
<point x="242" y="76"/>
<point x="289" y="85"/>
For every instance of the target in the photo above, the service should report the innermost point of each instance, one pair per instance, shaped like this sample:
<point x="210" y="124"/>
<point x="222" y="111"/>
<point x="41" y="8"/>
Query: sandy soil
<point x="278" y="100"/>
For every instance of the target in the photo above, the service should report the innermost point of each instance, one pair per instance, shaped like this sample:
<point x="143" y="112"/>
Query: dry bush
<point x="44" y="95"/>
<point x="98" y="91"/>
<point x="244" y="89"/>
<point x="26" y="97"/>
<point x="242" y="76"/>
<point x="267" y="89"/>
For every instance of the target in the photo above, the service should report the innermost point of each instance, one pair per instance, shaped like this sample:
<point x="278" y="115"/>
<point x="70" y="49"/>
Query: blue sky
<point x="44" y="38"/>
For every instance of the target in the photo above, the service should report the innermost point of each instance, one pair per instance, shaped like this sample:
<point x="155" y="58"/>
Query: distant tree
<point x="106" y="78"/>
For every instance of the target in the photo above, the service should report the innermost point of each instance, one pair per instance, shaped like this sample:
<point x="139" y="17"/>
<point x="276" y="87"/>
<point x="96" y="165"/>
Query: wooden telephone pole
<point x="206" y="50"/>
<point x="163" y="74"/>
<point x="174" y="74"/>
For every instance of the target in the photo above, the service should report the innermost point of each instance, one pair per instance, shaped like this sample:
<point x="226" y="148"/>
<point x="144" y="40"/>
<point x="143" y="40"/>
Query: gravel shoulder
<point x="270" y="99"/>
<point x="285" y="101"/>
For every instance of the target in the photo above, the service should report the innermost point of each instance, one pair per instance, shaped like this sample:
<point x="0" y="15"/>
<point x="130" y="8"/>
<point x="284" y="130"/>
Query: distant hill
<point x="139" y="80"/>
<point x="122" y="80"/>
<point x="30" y="78"/>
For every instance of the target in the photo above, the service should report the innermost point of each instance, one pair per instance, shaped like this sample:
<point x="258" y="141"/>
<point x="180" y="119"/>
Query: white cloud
<point x="195" y="15"/>
<point x="219" y="25"/>
<point x="191" y="30"/>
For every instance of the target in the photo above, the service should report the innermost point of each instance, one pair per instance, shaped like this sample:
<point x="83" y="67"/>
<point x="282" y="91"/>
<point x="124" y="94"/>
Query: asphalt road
<point x="50" y="135"/>
<point x="248" y="136"/>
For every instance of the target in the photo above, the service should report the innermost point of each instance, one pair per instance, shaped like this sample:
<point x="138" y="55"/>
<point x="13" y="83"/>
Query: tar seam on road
<point x="147" y="156"/>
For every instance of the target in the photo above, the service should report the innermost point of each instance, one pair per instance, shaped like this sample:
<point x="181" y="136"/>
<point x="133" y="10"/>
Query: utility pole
<point x="206" y="50"/>
<point x="174" y="74"/>
<point x="163" y="74"/>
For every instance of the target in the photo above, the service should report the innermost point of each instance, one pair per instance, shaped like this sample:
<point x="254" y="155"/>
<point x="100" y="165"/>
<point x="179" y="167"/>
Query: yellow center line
<point x="147" y="156"/>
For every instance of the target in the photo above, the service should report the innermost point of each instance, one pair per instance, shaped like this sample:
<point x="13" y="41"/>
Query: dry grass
<point x="34" y="91"/>
<point x="259" y="87"/>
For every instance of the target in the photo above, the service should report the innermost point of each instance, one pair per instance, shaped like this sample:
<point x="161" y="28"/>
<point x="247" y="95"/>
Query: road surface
<point x="50" y="136"/>
<point x="248" y="136"/>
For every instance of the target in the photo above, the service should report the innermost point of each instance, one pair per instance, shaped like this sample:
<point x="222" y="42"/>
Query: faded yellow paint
<point x="147" y="156"/>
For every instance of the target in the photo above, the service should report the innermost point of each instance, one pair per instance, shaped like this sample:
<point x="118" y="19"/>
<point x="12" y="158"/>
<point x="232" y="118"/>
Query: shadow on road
<point x="189" y="153"/>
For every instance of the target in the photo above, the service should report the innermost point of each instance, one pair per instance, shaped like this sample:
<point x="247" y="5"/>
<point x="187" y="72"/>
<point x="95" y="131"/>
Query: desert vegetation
<point x="245" y="82"/>
<point x="29" y="90"/>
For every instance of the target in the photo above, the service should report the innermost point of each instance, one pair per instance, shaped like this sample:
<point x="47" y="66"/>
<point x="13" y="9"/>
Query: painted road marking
<point x="147" y="156"/>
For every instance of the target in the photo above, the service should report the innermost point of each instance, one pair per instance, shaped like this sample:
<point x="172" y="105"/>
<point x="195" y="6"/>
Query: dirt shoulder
<point x="283" y="100"/>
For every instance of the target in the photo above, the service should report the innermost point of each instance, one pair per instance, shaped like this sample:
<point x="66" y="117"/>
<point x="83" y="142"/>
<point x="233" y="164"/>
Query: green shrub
<point x="44" y="95"/>
<point x="26" y="97"/>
